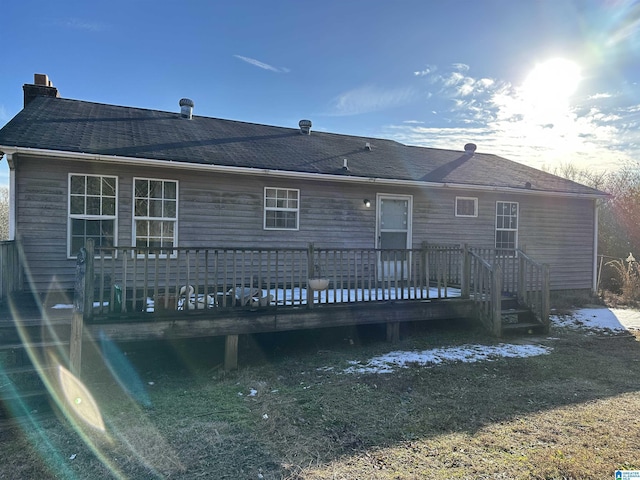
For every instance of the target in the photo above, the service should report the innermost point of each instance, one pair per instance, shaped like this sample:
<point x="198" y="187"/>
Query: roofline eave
<point x="116" y="159"/>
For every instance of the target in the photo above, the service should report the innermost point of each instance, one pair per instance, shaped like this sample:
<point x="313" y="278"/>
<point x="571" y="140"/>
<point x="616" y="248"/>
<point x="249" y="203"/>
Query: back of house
<point x="125" y="176"/>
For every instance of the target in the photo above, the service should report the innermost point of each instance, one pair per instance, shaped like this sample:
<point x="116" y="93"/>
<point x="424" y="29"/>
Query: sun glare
<point x="552" y="82"/>
<point x="544" y="102"/>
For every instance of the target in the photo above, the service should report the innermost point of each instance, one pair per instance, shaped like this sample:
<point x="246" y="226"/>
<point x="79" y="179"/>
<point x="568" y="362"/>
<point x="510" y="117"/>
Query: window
<point x="466" y="207"/>
<point x="92" y="211"/>
<point x="155" y="212"/>
<point x="281" y="208"/>
<point x="506" y="225"/>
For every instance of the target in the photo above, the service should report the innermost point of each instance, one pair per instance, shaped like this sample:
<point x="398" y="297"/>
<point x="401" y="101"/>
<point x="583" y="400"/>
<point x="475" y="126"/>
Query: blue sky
<point x="423" y="72"/>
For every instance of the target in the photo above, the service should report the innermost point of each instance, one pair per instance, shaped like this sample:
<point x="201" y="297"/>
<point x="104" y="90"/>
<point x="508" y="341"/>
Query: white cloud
<point x="80" y="24"/>
<point x="456" y="83"/>
<point x="369" y="99"/>
<point x="4" y="115"/>
<point x="264" y="66"/>
<point x="461" y="67"/>
<point x="453" y="79"/>
<point x="599" y="96"/>
<point x="428" y="70"/>
<point x="592" y="132"/>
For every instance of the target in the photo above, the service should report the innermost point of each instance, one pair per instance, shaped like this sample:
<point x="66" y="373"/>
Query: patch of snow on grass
<point x="602" y="319"/>
<point x="465" y="353"/>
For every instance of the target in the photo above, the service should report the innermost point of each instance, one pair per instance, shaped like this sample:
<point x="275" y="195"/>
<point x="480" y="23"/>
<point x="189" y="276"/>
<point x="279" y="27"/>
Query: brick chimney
<point x="42" y="87"/>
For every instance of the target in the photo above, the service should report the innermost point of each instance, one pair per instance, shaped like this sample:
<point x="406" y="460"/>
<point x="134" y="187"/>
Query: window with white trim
<point x="466" y="207"/>
<point x="281" y="208"/>
<point x="506" y="225"/>
<point x="92" y="211"/>
<point x="155" y="212"/>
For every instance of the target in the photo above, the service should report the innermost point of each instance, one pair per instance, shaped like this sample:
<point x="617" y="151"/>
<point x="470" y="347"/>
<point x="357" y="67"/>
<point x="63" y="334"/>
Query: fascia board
<point x="119" y="160"/>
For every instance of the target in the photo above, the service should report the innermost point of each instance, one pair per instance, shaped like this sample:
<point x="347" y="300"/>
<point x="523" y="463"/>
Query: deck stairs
<point x="518" y="318"/>
<point x="23" y="364"/>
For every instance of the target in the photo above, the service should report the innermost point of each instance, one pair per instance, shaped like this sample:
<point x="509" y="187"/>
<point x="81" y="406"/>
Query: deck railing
<point x="151" y="282"/>
<point x="509" y="262"/>
<point x="497" y="273"/>
<point x="485" y="289"/>
<point x="11" y="271"/>
<point x="130" y="280"/>
<point x="533" y="287"/>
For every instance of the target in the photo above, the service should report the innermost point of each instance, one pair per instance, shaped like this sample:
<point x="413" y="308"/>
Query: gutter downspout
<point x="596" y="210"/>
<point x="12" y="196"/>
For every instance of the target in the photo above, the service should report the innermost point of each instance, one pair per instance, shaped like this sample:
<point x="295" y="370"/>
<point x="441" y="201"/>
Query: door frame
<point x="393" y="196"/>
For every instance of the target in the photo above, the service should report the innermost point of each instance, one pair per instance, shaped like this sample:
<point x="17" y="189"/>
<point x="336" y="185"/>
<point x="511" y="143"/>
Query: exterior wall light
<point x="367" y="203"/>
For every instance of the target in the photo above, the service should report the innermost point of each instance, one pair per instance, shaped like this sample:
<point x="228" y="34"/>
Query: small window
<point x="92" y="211"/>
<point x="155" y="212"/>
<point x="281" y="208"/>
<point x="506" y="225"/>
<point x="466" y="207"/>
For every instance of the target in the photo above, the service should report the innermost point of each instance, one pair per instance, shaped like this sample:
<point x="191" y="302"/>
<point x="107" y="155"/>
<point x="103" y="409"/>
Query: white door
<point x="394" y="235"/>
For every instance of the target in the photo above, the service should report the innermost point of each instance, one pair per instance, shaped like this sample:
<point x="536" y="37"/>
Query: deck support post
<point x="546" y="299"/>
<point x="465" y="289"/>
<point x="310" y="274"/>
<point x="522" y="278"/>
<point x="393" y="332"/>
<point x="82" y="304"/>
<point x="231" y="352"/>
<point x="496" y="301"/>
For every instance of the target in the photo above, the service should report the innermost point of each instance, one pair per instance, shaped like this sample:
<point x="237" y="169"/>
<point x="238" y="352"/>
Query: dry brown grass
<point x="573" y="414"/>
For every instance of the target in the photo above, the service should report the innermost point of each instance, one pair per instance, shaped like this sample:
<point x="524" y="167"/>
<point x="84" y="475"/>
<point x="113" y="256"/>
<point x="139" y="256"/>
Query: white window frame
<point x="276" y="208"/>
<point x="475" y="206"/>
<point x="84" y="216"/>
<point x="507" y="229"/>
<point x="152" y="218"/>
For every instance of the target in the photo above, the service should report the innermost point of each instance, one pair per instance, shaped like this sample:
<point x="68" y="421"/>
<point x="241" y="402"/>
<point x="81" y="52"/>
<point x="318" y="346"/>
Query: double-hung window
<point x="506" y="225"/>
<point x="92" y="211"/>
<point x="281" y="208"/>
<point x="155" y="212"/>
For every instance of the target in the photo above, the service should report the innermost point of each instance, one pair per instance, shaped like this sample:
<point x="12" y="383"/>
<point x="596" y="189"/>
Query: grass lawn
<point x="292" y="412"/>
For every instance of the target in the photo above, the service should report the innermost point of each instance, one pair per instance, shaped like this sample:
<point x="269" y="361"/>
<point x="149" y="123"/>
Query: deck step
<point x="522" y="326"/>
<point x="17" y="346"/>
<point x="21" y="395"/>
<point x="36" y="417"/>
<point x="515" y="311"/>
<point x="26" y="369"/>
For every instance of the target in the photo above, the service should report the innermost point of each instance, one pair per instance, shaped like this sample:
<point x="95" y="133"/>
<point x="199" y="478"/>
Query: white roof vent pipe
<point x="305" y="127"/>
<point x="186" y="108"/>
<point x="470" y="148"/>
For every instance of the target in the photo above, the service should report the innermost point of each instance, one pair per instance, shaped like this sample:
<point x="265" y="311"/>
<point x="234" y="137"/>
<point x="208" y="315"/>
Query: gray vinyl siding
<point x="225" y="210"/>
<point x="553" y="230"/>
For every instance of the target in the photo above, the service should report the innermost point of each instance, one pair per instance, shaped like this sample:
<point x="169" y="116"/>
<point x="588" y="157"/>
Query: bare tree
<point x="619" y="215"/>
<point x="592" y="179"/>
<point x="618" y="226"/>
<point x="4" y="213"/>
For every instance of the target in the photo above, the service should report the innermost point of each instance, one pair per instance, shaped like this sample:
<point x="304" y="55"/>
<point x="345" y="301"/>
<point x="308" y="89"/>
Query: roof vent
<point x="305" y="127"/>
<point x="367" y="146"/>
<point x="186" y="108"/>
<point x="345" y="165"/>
<point x="470" y="148"/>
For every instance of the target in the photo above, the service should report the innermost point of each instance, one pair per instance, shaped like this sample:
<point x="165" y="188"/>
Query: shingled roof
<point x="64" y="125"/>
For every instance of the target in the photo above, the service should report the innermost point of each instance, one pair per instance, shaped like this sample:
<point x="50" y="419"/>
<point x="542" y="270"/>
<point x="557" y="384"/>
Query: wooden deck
<point x="131" y="294"/>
